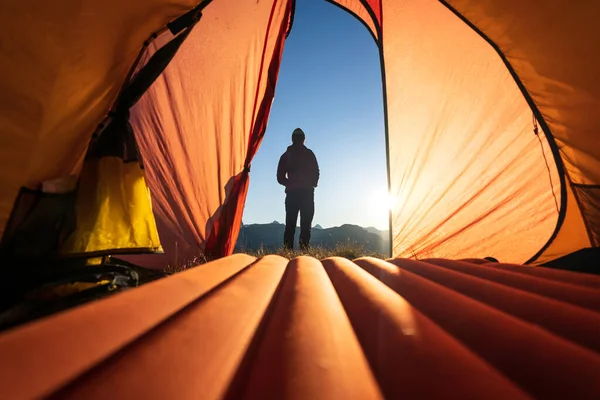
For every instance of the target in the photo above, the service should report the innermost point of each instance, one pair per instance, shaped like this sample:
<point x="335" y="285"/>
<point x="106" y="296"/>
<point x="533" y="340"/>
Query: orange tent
<point x="489" y="106"/>
<point x="130" y="126"/>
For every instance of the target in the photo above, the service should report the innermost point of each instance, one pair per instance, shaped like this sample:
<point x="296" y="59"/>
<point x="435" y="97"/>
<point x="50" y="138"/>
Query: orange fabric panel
<point x="552" y="48"/>
<point x="307" y="329"/>
<point x="196" y="123"/>
<point x="571" y="235"/>
<point x="401" y="344"/>
<point x="467" y="171"/>
<point x="226" y="226"/>
<point x="41" y="357"/>
<point x="61" y="70"/>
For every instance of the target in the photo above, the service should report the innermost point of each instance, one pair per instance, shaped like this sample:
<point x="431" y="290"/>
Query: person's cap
<point x="298" y="132"/>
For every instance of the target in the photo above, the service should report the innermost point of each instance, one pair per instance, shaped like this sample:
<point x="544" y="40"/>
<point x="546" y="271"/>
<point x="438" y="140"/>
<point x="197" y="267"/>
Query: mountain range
<point x="270" y="237"/>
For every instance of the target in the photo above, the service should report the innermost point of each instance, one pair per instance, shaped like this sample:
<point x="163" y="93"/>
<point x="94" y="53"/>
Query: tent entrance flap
<point x="465" y="163"/>
<point x="113" y="211"/>
<point x="513" y="211"/>
<point x="202" y="121"/>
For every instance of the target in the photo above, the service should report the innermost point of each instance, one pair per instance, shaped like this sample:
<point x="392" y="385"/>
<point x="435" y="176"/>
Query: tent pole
<point x="386" y="132"/>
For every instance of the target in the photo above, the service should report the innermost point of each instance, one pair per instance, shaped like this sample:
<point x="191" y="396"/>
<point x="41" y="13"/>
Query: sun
<point x="381" y="200"/>
<point x="379" y="204"/>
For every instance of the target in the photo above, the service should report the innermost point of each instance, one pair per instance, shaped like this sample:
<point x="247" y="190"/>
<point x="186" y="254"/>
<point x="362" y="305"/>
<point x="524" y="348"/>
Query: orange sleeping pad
<point x="333" y="329"/>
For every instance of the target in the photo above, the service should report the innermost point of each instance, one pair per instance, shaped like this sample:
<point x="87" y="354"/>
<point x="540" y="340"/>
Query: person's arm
<point x="282" y="172"/>
<point x="316" y="171"/>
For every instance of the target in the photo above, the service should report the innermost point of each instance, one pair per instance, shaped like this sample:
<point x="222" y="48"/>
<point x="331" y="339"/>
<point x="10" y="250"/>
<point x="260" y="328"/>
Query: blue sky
<point x="329" y="85"/>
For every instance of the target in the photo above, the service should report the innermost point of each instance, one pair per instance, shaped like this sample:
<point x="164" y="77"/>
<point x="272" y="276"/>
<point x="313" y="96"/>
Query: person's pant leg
<point x="307" y="213"/>
<point x="291" y="217"/>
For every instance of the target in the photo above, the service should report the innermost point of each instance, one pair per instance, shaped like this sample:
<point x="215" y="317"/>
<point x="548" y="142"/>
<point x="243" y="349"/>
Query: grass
<point x="347" y="250"/>
<point x="178" y="267"/>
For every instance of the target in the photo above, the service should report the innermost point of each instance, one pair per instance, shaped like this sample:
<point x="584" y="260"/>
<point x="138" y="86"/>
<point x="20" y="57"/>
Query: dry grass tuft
<point x="349" y="250"/>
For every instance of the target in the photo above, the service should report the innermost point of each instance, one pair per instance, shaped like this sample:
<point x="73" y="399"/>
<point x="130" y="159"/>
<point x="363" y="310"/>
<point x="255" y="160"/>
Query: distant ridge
<point x="270" y="237"/>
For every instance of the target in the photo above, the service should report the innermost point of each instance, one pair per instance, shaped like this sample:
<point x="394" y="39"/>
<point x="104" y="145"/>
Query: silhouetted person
<point x="298" y="171"/>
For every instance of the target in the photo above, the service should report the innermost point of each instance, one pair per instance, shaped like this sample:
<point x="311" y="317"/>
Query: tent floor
<point x="36" y="290"/>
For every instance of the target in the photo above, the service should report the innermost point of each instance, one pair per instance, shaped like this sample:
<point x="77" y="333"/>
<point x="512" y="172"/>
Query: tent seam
<point x="137" y="60"/>
<point x="291" y="20"/>
<point x="359" y="19"/>
<point x="386" y="126"/>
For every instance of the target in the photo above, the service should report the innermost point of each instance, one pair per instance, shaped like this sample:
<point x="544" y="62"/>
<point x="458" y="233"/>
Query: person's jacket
<point x="298" y="169"/>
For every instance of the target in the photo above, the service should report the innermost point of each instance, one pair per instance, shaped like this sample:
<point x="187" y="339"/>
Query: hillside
<point x="270" y="237"/>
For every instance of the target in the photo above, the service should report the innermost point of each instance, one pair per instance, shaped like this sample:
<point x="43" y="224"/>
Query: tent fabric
<point x="570" y="235"/>
<point x="552" y="54"/>
<point x="464" y="161"/>
<point x="200" y="124"/>
<point x="246" y="328"/>
<point x="488" y="67"/>
<point x="464" y="84"/>
<point x="63" y="65"/>
<point x="444" y="203"/>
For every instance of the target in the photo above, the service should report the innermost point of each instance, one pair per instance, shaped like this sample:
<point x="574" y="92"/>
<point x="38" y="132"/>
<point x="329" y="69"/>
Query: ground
<point x="348" y="250"/>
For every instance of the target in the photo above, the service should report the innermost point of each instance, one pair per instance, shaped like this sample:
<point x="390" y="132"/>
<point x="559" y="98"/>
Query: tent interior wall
<point x="491" y="120"/>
